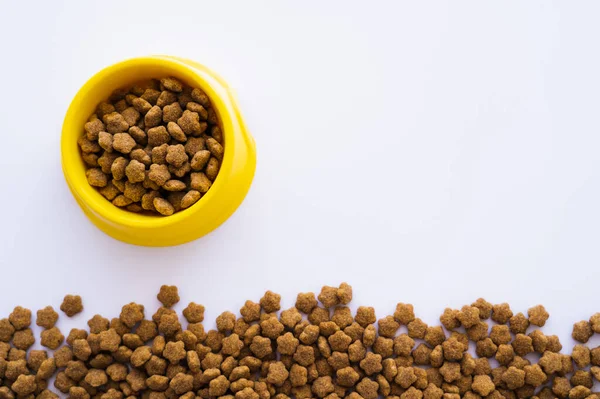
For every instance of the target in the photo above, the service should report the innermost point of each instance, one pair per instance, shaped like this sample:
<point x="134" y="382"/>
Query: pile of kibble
<point x="155" y="147"/>
<point x="316" y="349"/>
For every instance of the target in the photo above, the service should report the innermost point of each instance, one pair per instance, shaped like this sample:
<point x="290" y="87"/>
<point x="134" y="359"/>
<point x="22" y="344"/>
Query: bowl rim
<point x="70" y="154"/>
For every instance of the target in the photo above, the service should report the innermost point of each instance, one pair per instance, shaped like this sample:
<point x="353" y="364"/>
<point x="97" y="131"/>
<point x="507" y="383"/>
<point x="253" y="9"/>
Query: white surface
<point x="425" y="152"/>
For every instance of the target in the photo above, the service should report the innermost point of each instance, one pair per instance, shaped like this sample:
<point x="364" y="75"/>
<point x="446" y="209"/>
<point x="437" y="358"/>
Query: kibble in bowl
<point x="155" y="152"/>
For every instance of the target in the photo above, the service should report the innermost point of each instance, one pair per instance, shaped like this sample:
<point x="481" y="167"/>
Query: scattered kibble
<point x="156" y="147"/>
<point x="269" y="353"/>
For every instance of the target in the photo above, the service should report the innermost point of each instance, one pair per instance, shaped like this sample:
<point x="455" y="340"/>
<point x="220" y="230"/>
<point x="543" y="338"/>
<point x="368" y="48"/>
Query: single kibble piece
<point x="200" y="160"/>
<point x="158" y="136"/>
<point x="168" y="295"/>
<point x="135" y="171"/>
<point x="176" y="155"/>
<point x="163" y="206"/>
<point x="582" y="331"/>
<point x="538" y="315"/>
<point x="46" y="317"/>
<point x="20" y="318"/>
<point x="200" y="182"/>
<point x="123" y="143"/>
<point x="96" y="177"/>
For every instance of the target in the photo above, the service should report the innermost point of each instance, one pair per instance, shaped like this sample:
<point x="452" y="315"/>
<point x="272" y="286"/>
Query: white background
<point x="426" y="152"/>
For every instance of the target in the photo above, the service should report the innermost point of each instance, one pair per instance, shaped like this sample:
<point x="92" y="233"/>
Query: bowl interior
<point x="98" y="89"/>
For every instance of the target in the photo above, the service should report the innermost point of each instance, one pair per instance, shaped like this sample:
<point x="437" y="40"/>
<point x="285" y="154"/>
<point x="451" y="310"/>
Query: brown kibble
<point x="109" y="192"/>
<point x="193" y="145"/>
<point x="582" y="377"/>
<point x="500" y="334"/>
<point x="52" y="338"/>
<point x="158" y="136"/>
<point x="123" y="143"/>
<point x="483" y="385"/>
<point x="141" y="155"/>
<point x="582" y="331"/>
<point x="522" y="344"/>
<point x="581" y="356"/>
<point x="159" y="174"/>
<point x="435" y="336"/>
<point x="131" y="314"/>
<point x="90" y="159"/>
<point x="199" y="109"/>
<point x="106" y="161"/>
<point x="122" y="201"/>
<point x="449" y="319"/>
<point x="6" y="330"/>
<point x="417" y="329"/>
<point x="538" y="315"/>
<point x="168" y="295"/>
<point x="118" y="168"/>
<point x="371" y="364"/>
<point x="62" y="356"/>
<point x="453" y="349"/>
<point x="24" y="385"/>
<point x="486" y="348"/>
<point x="23" y="339"/>
<point x="551" y="362"/>
<point x="306" y="302"/>
<point x="172" y="112"/>
<point x="153" y="117"/>
<point x="553" y="344"/>
<point x="518" y="323"/>
<point x="323" y="386"/>
<point x="109" y="340"/>
<point x="46" y="317"/>
<point x="200" y="97"/>
<point x="134" y="191"/>
<point x="115" y="123"/>
<point x="212" y="168"/>
<point x="478" y="332"/>
<point x="172" y="84"/>
<point x="105" y="140"/>
<point x="200" y="160"/>
<point x="270" y="302"/>
<point x="344" y="292"/>
<point x="141" y="105"/>
<point x="190" y="123"/>
<point x="159" y="154"/>
<point x="163" y="206"/>
<point x="131" y="116"/>
<point x="176" y="155"/>
<point x="81" y="349"/>
<point x="76" y="370"/>
<point x="404" y="313"/>
<point x="93" y="129"/>
<point x="328" y="296"/>
<point x="96" y="177"/>
<point x="261" y="347"/>
<point x="194" y="313"/>
<point x="97" y="324"/>
<point x="96" y="377"/>
<point x="514" y="378"/>
<point x="277" y="373"/>
<point x="140" y="356"/>
<point x="501" y="313"/>
<point x="151" y="95"/>
<point x="468" y="316"/>
<point x="217" y="150"/>
<point x="88" y="146"/>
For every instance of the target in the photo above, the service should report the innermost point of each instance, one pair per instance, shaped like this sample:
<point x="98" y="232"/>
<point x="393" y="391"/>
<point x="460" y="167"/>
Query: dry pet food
<point x="316" y="349"/>
<point x="155" y="147"/>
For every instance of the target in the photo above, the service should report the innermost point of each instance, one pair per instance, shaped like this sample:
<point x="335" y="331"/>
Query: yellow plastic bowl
<point x="228" y="190"/>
